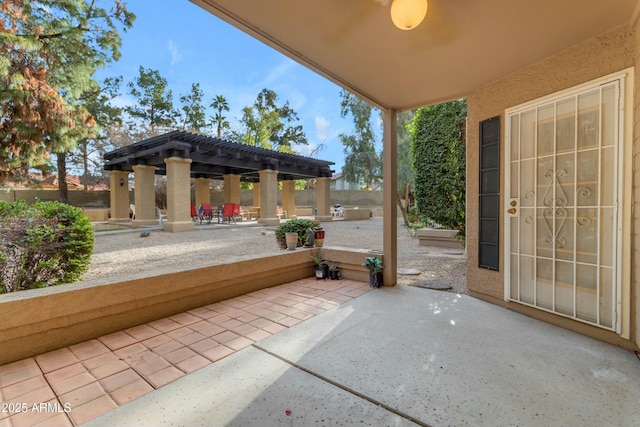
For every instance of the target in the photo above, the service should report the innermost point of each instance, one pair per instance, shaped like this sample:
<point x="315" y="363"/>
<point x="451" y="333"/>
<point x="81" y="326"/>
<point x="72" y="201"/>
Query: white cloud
<point x="305" y="149"/>
<point x="322" y="126"/>
<point x="175" y="53"/>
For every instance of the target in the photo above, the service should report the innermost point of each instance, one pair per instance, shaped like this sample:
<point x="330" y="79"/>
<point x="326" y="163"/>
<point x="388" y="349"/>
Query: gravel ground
<point x="125" y="254"/>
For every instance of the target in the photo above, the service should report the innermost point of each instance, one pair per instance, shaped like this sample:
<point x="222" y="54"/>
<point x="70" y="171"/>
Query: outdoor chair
<point x="281" y="213"/>
<point x="194" y="213"/>
<point x="132" y="211"/>
<point x="228" y="212"/>
<point x="206" y="213"/>
<point x="161" y="217"/>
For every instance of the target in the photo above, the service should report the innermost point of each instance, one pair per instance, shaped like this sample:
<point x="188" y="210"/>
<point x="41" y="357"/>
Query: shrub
<point x="299" y="226"/>
<point x="438" y="161"/>
<point x="44" y="244"/>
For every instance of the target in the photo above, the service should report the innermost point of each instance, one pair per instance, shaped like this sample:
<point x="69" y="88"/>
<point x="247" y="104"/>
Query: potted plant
<point x="298" y="226"/>
<point x="375" y="267"/>
<point x="321" y="268"/>
<point x="334" y="270"/>
<point x="291" y="238"/>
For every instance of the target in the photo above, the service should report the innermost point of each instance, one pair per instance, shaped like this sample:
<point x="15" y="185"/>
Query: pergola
<point x="183" y="155"/>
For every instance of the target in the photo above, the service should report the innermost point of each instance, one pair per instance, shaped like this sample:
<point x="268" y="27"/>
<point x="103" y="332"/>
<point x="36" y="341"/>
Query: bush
<point x="44" y="244"/>
<point x="438" y="161"/>
<point x="299" y="226"/>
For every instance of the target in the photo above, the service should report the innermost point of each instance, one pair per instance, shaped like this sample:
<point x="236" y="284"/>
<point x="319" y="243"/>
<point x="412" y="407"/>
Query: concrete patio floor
<point x="404" y="356"/>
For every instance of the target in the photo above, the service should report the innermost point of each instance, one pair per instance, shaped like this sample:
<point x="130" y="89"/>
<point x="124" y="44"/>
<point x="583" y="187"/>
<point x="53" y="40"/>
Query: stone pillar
<point x="323" y="192"/>
<point x="203" y="193"/>
<point x="144" y="195"/>
<point x="232" y="188"/>
<point x="289" y="198"/>
<point x="256" y="194"/>
<point x="178" y="195"/>
<point x="389" y="197"/>
<point x="268" y="197"/>
<point x="119" y="196"/>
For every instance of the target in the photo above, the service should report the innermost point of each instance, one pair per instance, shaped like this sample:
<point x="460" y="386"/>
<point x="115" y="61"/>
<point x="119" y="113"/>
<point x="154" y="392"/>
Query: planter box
<point x="439" y="237"/>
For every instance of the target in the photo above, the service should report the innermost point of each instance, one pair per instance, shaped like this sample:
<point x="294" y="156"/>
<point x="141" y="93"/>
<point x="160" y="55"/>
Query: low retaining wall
<point x="96" y="214"/>
<point x="41" y="320"/>
<point x="350" y="214"/>
<point x="440" y="237"/>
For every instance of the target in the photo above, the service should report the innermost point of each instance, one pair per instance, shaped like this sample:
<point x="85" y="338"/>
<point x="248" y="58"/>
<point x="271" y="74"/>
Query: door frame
<point x="625" y="190"/>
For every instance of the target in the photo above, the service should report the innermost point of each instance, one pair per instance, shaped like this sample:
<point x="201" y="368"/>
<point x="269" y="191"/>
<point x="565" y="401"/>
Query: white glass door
<point x="562" y="194"/>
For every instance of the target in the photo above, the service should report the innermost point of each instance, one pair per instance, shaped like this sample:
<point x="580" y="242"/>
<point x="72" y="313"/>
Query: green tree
<point x="438" y="160"/>
<point x="49" y="51"/>
<point x="405" y="172"/>
<point x="193" y="113"/>
<point x="361" y="162"/>
<point x="220" y="105"/>
<point x="153" y="111"/>
<point x="267" y="125"/>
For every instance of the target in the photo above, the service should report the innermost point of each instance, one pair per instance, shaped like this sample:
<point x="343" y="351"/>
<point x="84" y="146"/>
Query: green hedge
<point x="299" y="226"/>
<point x="438" y="150"/>
<point x="44" y="244"/>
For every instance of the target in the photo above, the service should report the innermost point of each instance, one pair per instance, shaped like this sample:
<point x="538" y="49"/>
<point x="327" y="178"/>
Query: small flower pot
<point x="320" y="272"/>
<point x="292" y="240"/>
<point x="334" y="274"/>
<point x="318" y="236"/>
<point x="375" y="280"/>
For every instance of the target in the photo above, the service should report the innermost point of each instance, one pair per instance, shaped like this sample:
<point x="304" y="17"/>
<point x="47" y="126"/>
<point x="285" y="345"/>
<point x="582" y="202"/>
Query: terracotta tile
<point x="190" y="338"/>
<point x="302" y="315"/>
<point x="211" y="330"/>
<point x="274" y="328"/>
<point x="88" y="349"/>
<point x="142" y="332"/>
<point x="165" y="325"/>
<point x="35" y="396"/>
<point x="19" y="371"/>
<point x="287" y="302"/>
<point x="180" y="332"/>
<point x="119" y="380"/>
<point x="274" y="316"/>
<point x="244" y="329"/>
<point x="4" y="420"/>
<point x="229" y="324"/>
<point x="213" y="306"/>
<point x="217" y="353"/>
<point x="151" y="365"/>
<point x="249" y="299"/>
<point x="41" y="413"/>
<point x="164" y="376"/>
<point x="117" y="340"/>
<point x="203" y="345"/>
<point x="72" y="383"/>
<point x="179" y="355"/>
<point x="201" y="312"/>
<point x="92" y="409"/>
<point x="193" y="364"/>
<point x="247" y="317"/>
<point x="220" y="318"/>
<point x="23" y="387"/>
<point x="261" y="323"/>
<point x="83" y="395"/>
<point x="65" y="373"/>
<point x="101" y="360"/>
<point x="289" y="321"/>
<point x="131" y="350"/>
<point x="156" y="341"/>
<point x="56" y="359"/>
<point x="222" y="309"/>
<point x="234" y="302"/>
<point x="131" y="391"/>
<point x="258" y="335"/>
<point x="184" y="318"/>
<point x="239" y="343"/>
<point x="287" y="311"/>
<point x="58" y="420"/>
<point x="109" y="369"/>
<point x="308" y="308"/>
<point x="325" y="305"/>
<point x="224" y="337"/>
<point x="167" y="347"/>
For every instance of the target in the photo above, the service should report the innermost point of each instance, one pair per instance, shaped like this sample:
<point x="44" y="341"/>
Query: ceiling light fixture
<point x="408" y="14"/>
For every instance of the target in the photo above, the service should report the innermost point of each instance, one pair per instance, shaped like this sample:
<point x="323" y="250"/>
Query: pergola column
<point x="231" y="188"/>
<point x="178" y="195"/>
<point x="119" y="196"/>
<point x="203" y="193"/>
<point x="144" y="195"/>
<point x="289" y="198"/>
<point x="268" y="197"/>
<point x="323" y="193"/>
<point x="256" y="194"/>
<point x="389" y="197"/>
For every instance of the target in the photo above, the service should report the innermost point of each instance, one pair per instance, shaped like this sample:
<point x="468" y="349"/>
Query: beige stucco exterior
<point x="119" y="197"/>
<point x="144" y="196"/>
<point x="609" y="53"/>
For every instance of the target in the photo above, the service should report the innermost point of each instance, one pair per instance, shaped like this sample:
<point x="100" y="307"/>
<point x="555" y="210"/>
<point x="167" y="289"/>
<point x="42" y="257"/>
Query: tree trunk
<point x="404" y="214"/>
<point x="63" y="191"/>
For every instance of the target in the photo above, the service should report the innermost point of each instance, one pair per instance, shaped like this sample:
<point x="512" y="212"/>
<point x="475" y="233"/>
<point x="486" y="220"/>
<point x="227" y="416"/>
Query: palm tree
<point x="220" y="104"/>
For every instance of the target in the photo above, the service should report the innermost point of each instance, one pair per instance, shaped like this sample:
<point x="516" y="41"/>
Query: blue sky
<point x="186" y="45"/>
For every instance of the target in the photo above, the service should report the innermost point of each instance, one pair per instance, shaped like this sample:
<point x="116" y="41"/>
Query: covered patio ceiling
<point x="461" y="45"/>
<point x="213" y="158"/>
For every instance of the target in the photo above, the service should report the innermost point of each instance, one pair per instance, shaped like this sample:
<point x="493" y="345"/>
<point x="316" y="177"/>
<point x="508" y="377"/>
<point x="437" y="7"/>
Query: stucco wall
<point x="603" y="55"/>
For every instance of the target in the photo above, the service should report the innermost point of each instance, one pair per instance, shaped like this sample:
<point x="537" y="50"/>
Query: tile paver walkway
<point x="75" y="384"/>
